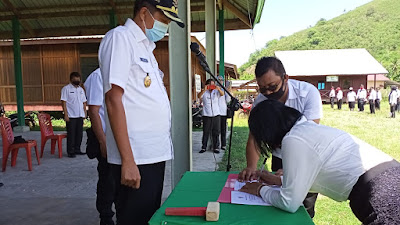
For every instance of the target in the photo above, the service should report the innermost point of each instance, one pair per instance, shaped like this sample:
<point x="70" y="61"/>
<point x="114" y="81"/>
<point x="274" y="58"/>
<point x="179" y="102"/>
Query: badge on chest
<point x="147" y="81"/>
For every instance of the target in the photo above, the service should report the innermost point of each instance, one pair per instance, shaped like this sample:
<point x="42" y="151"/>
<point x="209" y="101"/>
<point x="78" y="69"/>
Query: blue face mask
<point x="157" y="32"/>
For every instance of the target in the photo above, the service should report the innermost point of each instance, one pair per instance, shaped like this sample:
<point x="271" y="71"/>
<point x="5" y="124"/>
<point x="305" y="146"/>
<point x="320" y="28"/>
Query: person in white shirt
<point x="351" y="99"/>
<point x="339" y="97"/>
<point x="324" y="160"/>
<point x="371" y="99"/>
<point x="275" y="84"/>
<point x="378" y="98"/>
<point x="393" y="96"/>
<point x="138" y="113"/>
<point x="211" y="114"/>
<point x="73" y="101"/>
<point x="105" y="184"/>
<point x="361" y="97"/>
<point x="332" y="96"/>
<point x="398" y="99"/>
<point x="223" y="109"/>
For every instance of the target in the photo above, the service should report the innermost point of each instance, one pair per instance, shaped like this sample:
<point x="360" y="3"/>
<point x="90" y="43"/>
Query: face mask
<point x="157" y="32"/>
<point x="76" y="82"/>
<point x="276" y="95"/>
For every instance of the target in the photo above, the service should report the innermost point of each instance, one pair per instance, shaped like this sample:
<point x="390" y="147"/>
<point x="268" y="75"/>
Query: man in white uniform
<point x="275" y="84"/>
<point x="361" y="97"/>
<point x="73" y="101"/>
<point x="105" y="184"/>
<point x="378" y="99"/>
<point x="351" y="99"/>
<point x="339" y="97"/>
<point x="332" y="96"/>
<point x="223" y="109"/>
<point x="371" y="99"/>
<point x="138" y="114"/>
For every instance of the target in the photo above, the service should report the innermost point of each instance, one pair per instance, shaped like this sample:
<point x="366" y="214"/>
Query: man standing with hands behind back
<point x="274" y="83"/>
<point x="73" y="101"/>
<point x="138" y="114"/>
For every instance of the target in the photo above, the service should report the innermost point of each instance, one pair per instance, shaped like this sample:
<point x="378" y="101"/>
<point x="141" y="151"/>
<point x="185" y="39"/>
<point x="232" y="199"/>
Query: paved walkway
<point x="63" y="191"/>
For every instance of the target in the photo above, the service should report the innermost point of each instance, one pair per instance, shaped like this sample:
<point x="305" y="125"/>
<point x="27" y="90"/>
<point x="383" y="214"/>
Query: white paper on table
<point x="243" y="198"/>
<point x="238" y="185"/>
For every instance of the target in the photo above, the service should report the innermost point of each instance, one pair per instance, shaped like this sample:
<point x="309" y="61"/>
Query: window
<point x="321" y="85"/>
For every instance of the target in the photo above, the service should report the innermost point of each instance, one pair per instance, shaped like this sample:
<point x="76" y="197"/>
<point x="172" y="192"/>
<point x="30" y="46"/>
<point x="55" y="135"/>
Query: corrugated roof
<point x="330" y="62"/>
<point x="45" y="18"/>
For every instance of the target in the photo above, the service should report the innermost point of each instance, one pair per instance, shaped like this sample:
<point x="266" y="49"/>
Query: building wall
<point x="46" y="69"/>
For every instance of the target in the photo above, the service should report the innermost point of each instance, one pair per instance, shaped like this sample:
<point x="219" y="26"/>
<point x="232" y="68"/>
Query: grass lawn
<point x="378" y="130"/>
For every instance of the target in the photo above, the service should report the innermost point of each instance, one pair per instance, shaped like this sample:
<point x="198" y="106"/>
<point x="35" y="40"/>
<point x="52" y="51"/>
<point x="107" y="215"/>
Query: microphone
<point x="195" y="48"/>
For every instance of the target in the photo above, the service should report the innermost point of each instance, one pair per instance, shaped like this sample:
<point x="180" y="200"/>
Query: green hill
<point x="374" y="26"/>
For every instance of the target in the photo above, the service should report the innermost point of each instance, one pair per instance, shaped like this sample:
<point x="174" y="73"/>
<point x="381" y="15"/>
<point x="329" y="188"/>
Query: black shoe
<point x="80" y="153"/>
<point x="216" y="151"/>
<point x="202" y="151"/>
<point x="71" y="155"/>
<point x="223" y="148"/>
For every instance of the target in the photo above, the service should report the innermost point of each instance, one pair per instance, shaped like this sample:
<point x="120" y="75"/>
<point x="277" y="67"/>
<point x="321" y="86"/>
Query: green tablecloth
<point x="196" y="189"/>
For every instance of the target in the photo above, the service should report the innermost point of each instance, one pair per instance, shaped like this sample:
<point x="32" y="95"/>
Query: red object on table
<point x="46" y="133"/>
<point x="186" y="211"/>
<point x="8" y="146"/>
<point x="225" y="196"/>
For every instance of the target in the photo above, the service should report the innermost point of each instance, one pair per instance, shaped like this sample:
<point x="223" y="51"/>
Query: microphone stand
<point x="234" y="105"/>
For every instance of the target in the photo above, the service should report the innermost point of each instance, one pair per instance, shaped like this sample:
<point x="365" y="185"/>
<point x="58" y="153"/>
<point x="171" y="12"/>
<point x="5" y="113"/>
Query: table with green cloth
<point x="196" y="189"/>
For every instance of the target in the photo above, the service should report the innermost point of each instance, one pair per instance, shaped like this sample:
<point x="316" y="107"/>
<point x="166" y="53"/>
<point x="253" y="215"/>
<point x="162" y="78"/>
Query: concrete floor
<point x="63" y="191"/>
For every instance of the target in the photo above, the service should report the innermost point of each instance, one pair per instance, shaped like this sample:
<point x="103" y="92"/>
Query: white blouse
<point x="320" y="159"/>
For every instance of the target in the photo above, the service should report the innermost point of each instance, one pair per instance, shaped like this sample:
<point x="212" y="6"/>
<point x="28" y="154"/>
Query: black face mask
<point x="76" y="82"/>
<point x="276" y="95"/>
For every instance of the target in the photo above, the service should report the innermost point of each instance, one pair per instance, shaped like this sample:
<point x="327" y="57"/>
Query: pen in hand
<point x="262" y="169"/>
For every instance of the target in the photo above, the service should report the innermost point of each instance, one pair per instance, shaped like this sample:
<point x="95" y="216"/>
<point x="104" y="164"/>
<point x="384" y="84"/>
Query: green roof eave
<point x="260" y="7"/>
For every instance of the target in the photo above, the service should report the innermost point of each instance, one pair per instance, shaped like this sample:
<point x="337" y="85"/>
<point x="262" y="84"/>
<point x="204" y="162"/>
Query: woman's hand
<point x="252" y="188"/>
<point x="269" y="178"/>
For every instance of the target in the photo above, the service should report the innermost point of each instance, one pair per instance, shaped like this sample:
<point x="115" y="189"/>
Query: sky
<point x="279" y="18"/>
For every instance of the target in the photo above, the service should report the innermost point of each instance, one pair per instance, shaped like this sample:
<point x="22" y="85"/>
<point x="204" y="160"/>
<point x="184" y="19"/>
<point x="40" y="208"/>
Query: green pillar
<point x="180" y="77"/>
<point x="18" y="71"/>
<point x="210" y="21"/>
<point x="113" y="19"/>
<point x="221" y="44"/>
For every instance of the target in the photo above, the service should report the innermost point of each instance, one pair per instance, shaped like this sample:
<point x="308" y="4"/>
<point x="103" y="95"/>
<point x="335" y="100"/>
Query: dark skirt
<point x="375" y="198"/>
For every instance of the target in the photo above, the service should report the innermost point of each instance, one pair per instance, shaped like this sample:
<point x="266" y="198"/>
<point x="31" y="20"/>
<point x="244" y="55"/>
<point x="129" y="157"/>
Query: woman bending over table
<point x="324" y="160"/>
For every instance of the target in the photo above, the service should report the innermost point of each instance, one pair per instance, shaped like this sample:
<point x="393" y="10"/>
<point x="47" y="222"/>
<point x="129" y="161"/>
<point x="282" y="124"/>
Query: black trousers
<point x="339" y="103"/>
<point x="105" y="191"/>
<point x="352" y="105"/>
<point x="361" y="103"/>
<point x="393" y="110"/>
<point x="311" y="198"/>
<point x="74" y="135"/>
<point x="378" y="104"/>
<point x="211" y="125"/>
<point x="332" y="102"/>
<point x="372" y="106"/>
<point x="137" y="206"/>
<point x="223" y="131"/>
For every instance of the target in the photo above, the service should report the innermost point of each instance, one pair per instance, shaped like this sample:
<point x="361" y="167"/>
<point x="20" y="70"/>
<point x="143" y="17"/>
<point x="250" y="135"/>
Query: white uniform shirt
<point x="351" y="96"/>
<point x="379" y="95"/>
<point x="393" y="97"/>
<point x="362" y="94"/>
<point x="372" y="95"/>
<point x="126" y="58"/>
<point x="222" y="102"/>
<point x="339" y="94"/>
<point x="74" y="98"/>
<point x="320" y="159"/>
<point x="211" y="103"/>
<point x="332" y="93"/>
<point x="94" y="93"/>
<point x="304" y="97"/>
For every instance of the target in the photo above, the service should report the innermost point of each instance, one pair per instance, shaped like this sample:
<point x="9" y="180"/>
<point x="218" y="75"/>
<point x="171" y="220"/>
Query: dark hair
<point x="139" y="4"/>
<point x="269" y="63"/>
<point x="209" y="81"/>
<point x="74" y="74"/>
<point x="269" y="122"/>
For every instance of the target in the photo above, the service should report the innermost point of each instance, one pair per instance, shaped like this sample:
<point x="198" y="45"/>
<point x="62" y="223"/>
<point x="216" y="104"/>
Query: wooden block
<point x="212" y="212"/>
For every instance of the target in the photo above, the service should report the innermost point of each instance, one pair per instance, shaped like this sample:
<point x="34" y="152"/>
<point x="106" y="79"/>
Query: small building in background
<point x="336" y="67"/>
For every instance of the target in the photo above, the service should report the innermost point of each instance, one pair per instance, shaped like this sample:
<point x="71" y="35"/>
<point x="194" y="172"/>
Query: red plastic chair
<point x="8" y="146"/>
<point x="46" y="132"/>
